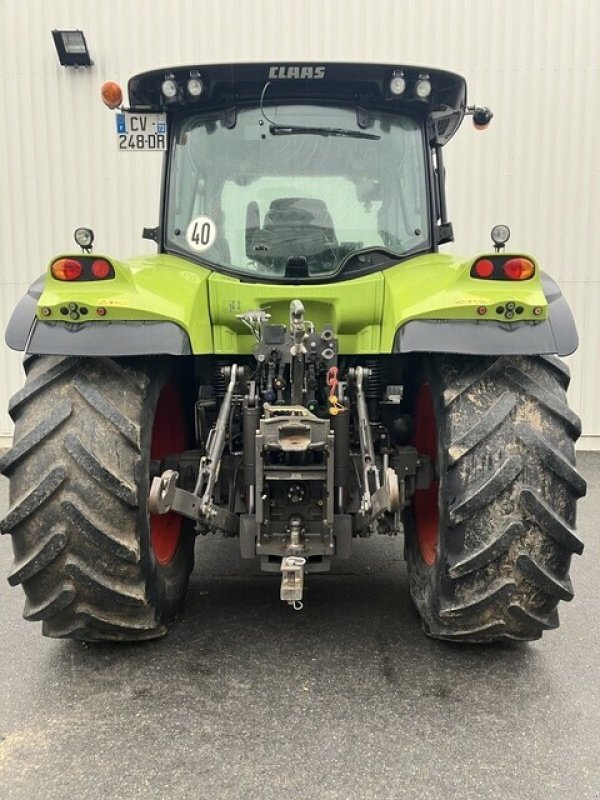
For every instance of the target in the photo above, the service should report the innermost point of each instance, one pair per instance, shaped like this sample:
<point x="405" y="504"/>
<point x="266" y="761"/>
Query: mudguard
<point x="108" y="339"/>
<point x="556" y="334"/>
<point x="26" y="332"/>
<point x="428" y="304"/>
<point x="23" y="317"/>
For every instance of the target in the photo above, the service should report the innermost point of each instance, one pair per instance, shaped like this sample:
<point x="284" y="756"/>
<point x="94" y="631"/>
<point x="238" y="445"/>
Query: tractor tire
<point x="92" y="562"/>
<point x="489" y="544"/>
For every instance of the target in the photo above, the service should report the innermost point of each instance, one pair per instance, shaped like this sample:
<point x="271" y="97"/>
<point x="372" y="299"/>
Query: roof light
<point x="423" y="87"/>
<point x="66" y="269"/>
<point x="112" y="94"/>
<point x="195" y="87"/>
<point x="518" y="269"/>
<point x="397" y="84"/>
<point x="72" y="48"/>
<point x="84" y="237"/>
<point x="169" y="88"/>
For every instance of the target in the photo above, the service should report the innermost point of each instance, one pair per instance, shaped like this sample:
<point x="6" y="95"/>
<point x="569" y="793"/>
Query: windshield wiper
<point x="375" y="250"/>
<point x="378" y="250"/>
<point x="291" y="130"/>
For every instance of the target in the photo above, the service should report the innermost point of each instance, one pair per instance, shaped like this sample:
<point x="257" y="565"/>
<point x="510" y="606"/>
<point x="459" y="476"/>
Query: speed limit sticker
<point x="201" y="233"/>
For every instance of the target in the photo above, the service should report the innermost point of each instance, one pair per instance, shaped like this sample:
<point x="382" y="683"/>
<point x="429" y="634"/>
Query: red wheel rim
<point x="425" y="504"/>
<point x="168" y="436"/>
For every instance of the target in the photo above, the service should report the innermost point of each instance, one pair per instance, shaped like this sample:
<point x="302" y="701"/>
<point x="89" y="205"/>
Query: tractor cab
<point x="300" y="172"/>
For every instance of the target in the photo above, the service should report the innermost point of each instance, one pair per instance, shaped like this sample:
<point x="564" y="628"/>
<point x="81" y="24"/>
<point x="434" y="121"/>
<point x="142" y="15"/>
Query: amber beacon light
<point x="112" y="94"/>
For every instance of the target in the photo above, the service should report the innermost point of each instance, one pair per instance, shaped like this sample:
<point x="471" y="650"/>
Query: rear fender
<point x="23" y="317"/>
<point x="25" y="332"/>
<point x="153" y="305"/>
<point x="556" y="334"/>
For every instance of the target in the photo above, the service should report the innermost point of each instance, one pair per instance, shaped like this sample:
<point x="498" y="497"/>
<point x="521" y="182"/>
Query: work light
<point x="500" y="235"/>
<point x="397" y="84"/>
<point x="84" y="238"/>
<point x="195" y="87"/>
<point x="169" y="88"/>
<point x="423" y="87"/>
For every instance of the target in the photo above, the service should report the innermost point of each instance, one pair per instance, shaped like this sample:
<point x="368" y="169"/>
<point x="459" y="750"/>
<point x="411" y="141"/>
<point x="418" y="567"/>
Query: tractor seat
<point x="298" y="213"/>
<point x="295" y="226"/>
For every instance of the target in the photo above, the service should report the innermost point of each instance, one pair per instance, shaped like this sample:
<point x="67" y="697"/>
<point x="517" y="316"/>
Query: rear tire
<point x="79" y="480"/>
<point x="499" y="562"/>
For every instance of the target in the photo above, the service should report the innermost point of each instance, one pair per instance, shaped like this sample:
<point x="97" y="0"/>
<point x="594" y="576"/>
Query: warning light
<point x="112" y="95"/>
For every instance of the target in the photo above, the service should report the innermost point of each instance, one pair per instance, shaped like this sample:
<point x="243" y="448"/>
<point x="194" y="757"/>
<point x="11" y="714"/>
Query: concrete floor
<point x="248" y="699"/>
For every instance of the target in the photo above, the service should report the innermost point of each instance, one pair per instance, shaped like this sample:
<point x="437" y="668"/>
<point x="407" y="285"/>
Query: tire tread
<point x="509" y="488"/>
<point x="75" y="499"/>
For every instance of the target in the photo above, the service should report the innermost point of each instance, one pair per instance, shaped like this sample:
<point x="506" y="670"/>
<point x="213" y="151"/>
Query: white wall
<point x="534" y="62"/>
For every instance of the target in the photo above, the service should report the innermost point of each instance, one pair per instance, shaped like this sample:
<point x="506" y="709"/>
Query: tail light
<point x="100" y="269"/>
<point x="518" y="269"/>
<point x="501" y="268"/>
<point x="66" y="269"/>
<point x="82" y="268"/>
<point x="484" y="268"/>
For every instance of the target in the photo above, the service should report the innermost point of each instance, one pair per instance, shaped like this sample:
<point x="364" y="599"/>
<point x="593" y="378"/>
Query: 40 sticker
<point x="201" y="234"/>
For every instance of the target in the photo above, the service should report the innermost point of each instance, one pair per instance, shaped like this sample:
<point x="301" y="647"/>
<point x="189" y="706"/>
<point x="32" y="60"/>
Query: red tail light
<point x="101" y="269"/>
<point x="484" y="268"/>
<point x="518" y="269"/>
<point x="66" y="269"/>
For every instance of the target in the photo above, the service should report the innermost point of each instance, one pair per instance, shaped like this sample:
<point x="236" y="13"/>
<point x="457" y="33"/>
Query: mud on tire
<point x="507" y="494"/>
<point x="79" y="479"/>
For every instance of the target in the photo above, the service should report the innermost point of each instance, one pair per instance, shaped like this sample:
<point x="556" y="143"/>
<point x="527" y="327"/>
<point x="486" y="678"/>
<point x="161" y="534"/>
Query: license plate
<point x="141" y="131"/>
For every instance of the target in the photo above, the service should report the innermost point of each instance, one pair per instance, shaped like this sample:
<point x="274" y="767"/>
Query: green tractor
<point x="297" y="366"/>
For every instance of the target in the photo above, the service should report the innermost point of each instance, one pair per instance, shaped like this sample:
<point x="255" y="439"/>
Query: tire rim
<point x="425" y="504"/>
<point x="168" y="436"/>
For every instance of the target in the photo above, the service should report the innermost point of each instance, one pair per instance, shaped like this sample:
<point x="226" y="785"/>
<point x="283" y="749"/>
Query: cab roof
<point x="350" y="84"/>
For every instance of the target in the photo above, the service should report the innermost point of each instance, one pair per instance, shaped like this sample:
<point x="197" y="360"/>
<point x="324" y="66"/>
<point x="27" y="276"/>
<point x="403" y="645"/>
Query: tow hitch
<point x="292" y="581"/>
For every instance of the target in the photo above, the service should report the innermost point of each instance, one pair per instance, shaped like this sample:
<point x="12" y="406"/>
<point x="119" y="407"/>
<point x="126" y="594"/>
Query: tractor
<point x="296" y="366"/>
